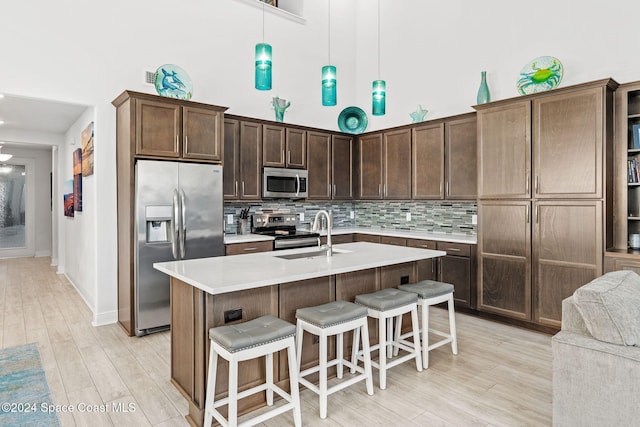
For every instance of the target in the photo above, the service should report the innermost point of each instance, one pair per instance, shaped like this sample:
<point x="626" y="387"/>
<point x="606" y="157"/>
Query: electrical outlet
<point x="352" y="214"/>
<point x="229" y="219"/>
<point x="408" y="216"/>
<point x="474" y="219"/>
<point x="301" y="216"/>
<point x="404" y="280"/>
<point x="232" y="315"/>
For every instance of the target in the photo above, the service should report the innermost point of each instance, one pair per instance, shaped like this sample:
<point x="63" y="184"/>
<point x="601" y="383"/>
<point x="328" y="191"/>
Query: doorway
<point x="17" y="217"/>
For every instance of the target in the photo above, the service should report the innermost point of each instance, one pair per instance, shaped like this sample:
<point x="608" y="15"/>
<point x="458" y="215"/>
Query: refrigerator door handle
<point x="176" y="226"/>
<point x="183" y="223"/>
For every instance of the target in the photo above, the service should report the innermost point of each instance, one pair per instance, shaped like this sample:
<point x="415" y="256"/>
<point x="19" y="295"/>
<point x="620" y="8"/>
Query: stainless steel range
<point x="283" y="228"/>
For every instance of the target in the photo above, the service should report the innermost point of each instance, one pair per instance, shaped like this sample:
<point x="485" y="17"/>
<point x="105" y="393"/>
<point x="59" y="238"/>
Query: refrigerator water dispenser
<point x="158" y="220"/>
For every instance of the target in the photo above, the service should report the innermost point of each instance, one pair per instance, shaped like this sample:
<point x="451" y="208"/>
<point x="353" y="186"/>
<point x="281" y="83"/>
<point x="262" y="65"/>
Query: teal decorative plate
<point x="540" y="74"/>
<point x="173" y="82"/>
<point x="352" y="120"/>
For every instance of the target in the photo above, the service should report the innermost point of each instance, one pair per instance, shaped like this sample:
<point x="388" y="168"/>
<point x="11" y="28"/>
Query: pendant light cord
<point x="329" y="32"/>
<point x="263" y="22"/>
<point x="378" y="39"/>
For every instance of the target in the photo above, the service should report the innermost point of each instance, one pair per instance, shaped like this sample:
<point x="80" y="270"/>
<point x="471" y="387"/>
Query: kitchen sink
<point x="312" y="254"/>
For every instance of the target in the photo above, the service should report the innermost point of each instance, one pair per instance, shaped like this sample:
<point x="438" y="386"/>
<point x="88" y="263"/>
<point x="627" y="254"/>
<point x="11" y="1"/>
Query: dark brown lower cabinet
<point x="305" y="293"/>
<point x="621" y="260"/>
<point x="535" y="254"/>
<point x="504" y="258"/>
<point x="568" y="253"/>
<point x="458" y="268"/>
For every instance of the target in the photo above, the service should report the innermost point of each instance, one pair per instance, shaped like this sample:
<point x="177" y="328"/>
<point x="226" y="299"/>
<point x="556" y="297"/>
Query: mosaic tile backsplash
<point x="432" y="216"/>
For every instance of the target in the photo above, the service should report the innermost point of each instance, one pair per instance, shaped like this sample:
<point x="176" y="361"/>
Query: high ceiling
<point x="31" y="114"/>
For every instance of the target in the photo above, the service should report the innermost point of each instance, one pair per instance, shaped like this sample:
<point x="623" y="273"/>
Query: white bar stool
<point x="430" y="293"/>
<point x="334" y="318"/>
<point x="385" y="305"/>
<point x="256" y="338"/>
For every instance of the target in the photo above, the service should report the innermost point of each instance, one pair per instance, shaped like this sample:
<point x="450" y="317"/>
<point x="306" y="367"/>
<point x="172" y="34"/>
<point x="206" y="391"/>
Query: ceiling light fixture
<point x="263" y="61"/>
<point x="329" y="84"/>
<point x="4" y="157"/>
<point x="379" y="94"/>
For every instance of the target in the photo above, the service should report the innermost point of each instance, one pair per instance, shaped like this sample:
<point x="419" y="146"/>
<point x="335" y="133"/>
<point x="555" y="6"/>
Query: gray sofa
<point x="596" y="355"/>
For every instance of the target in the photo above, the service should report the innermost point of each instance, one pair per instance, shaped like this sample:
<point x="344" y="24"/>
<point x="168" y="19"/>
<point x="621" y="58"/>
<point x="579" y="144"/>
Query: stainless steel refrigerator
<point x="178" y="216"/>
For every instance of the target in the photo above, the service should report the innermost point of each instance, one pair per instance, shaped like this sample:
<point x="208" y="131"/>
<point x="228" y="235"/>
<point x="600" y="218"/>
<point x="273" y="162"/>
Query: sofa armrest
<point x="594" y="383"/>
<point x="572" y="319"/>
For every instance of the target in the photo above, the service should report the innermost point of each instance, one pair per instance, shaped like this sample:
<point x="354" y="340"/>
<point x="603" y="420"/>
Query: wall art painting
<point x="87" y="150"/>
<point x="68" y="198"/>
<point x="77" y="180"/>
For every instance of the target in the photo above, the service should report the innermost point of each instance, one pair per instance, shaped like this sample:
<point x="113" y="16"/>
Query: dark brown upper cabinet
<point x="284" y="147"/>
<point x="461" y="169"/>
<point x="242" y="160"/>
<point x="173" y="129"/>
<point x="342" y="167"/>
<point x="427" y="163"/>
<point x="384" y="165"/>
<point x="330" y="164"/>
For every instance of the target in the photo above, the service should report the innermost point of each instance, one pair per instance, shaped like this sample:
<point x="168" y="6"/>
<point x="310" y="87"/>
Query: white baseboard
<point x="108" y="318"/>
<point x="42" y="253"/>
<point x="99" y="319"/>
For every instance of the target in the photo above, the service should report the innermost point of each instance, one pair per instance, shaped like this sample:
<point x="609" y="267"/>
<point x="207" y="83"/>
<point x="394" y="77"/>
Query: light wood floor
<point x="501" y="376"/>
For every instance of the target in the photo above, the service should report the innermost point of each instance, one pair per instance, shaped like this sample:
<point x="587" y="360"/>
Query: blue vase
<point x="483" y="91"/>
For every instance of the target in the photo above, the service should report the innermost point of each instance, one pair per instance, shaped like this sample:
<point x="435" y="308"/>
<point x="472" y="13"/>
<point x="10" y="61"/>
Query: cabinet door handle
<point x="537" y="213"/>
<point x="526" y="183"/>
<point x="334" y="190"/>
<point x="288" y="157"/>
<point x="384" y="186"/>
<point x="527" y="213"/>
<point x="186" y="142"/>
<point x="379" y="189"/>
<point x="250" y="249"/>
<point x="235" y="193"/>
<point x="242" y="188"/>
<point x="447" y="187"/>
<point x="536" y="185"/>
<point x="440" y="188"/>
<point x="452" y="250"/>
<point x="177" y="142"/>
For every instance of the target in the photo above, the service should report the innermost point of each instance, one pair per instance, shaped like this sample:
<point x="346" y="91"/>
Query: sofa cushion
<point x="610" y="307"/>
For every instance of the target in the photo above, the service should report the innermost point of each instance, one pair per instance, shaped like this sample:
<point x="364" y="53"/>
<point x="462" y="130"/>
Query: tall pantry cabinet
<point x="544" y="186"/>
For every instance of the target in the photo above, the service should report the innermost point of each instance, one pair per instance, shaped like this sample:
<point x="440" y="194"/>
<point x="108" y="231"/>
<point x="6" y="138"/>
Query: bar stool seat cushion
<point x="428" y="289"/>
<point x="386" y="299"/>
<point x="332" y="313"/>
<point x="253" y="333"/>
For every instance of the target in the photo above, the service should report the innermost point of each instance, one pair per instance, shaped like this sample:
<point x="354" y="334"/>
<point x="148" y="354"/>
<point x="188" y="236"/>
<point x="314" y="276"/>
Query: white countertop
<point x="239" y="272"/>
<point x="442" y="237"/>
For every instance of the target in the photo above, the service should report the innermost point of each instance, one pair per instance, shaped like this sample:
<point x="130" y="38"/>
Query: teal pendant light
<point x="379" y="93"/>
<point x="378" y="97"/>
<point x="263" y="62"/>
<point x="329" y="78"/>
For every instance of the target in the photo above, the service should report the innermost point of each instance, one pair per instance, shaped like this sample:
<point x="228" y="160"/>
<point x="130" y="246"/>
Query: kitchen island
<point x="210" y="292"/>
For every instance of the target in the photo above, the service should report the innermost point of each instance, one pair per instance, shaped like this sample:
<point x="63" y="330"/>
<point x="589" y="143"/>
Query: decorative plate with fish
<point x="173" y="82"/>
<point x="540" y="74"/>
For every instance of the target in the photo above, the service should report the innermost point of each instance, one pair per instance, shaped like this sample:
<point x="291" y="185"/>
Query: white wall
<point x="431" y="54"/>
<point x="42" y="168"/>
<point x="78" y="244"/>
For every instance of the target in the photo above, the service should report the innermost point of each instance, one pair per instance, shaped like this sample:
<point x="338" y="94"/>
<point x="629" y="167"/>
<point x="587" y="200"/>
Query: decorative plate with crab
<point x="540" y="74"/>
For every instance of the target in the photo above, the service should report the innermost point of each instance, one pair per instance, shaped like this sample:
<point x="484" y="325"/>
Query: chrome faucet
<point x="316" y="227"/>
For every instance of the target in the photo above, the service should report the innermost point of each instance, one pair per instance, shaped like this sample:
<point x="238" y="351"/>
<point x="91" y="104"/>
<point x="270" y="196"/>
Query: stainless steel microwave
<point x="282" y="183"/>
